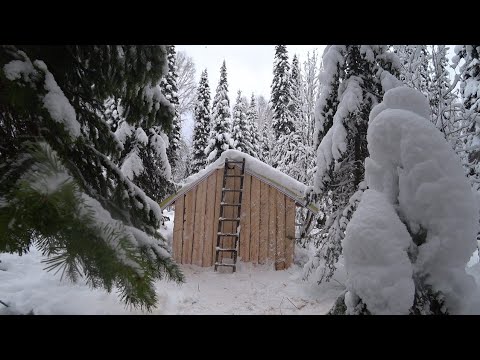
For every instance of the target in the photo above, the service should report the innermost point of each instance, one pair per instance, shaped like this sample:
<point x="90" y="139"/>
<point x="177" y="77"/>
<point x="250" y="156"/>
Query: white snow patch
<point x="132" y="165"/>
<point x="57" y="104"/>
<point x="255" y="167"/>
<point x="417" y="171"/>
<point x="375" y="250"/>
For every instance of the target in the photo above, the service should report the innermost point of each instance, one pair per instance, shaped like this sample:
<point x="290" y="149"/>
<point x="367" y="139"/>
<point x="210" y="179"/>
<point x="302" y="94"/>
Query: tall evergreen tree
<point x="241" y="133"/>
<point x="282" y="121"/>
<point x="220" y="138"/>
<point x="58" y="178"/>
<point x="254" y="141"/>
<point x="202" y="120"/>
<point x="309" y="93"/>
<point x="367" y="72"/>
<point x="266" y="140"/>
<point x="169" y="89"/>
<point x="295" y="87"/>
<point x="333" y="61"/>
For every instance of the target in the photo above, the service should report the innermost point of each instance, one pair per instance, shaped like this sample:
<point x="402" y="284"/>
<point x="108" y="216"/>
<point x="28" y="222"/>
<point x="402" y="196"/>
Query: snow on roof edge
<point x="284" y="183"/>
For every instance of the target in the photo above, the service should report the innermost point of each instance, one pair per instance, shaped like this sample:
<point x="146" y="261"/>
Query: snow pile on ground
<point x="375" y="249"/>
<point x="412" y="169"/>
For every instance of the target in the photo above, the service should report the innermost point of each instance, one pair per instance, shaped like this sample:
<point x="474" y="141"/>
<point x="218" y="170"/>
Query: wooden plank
<point x="199" y="226"/>
<point x="280" y="238"/>
<point x="289" y="232"/>
<point x="178" y="230"/>
<point x="272" y="223"/>
<point x="218" y="196"/>
<point x="245" y="220"/>
<point x="210" y="223"/>
<point x="254" y="219"/>
<point x="264" y="220"/>
<point x="188" y="227"/>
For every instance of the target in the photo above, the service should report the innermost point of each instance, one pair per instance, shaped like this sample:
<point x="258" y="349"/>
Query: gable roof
<point x="254" y="167"/>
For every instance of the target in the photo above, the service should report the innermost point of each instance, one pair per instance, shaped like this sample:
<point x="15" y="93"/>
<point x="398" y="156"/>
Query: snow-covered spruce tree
<point x="60" y="189"/>
<point x="292" y="151"/>
<point x="282" y="123"/>
<point x="220" y="138"/>
<point x="266" y="143"/>
<point x="253" y="133"/>
<point x="309" y="93"/>
<point x="143" y="159"/>
<point x="295" y="105"/>
<point x="418" y="219"/>
<point x="240" y="131"/>
<point x="470" y="91"/>
<point x="169" y="89"/>
<point x="333" y="61"/>
<point x="414" y="70"/>
<point x="201" y="129"/>
<point x="367" y="72"/>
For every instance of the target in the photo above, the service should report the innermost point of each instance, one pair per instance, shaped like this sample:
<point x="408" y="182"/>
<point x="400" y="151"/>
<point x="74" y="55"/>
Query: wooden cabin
<point x="266" y="216"/>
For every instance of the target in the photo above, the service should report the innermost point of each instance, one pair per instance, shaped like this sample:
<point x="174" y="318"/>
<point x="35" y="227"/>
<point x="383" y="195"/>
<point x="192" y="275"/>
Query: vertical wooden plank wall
<point x="199" y="225"/>
<point x="264" y="220"/>
<point x="254" y="219"/>
<point x="178" y="229"/>
<point x="267" y="222"/>
<point x="211" y="222"/>
<point x="280" y="236"/>
<point x="188" y="226"/>
<point x="272" y="224"/>
<point x="245" y="220"/>
<point x="218" y="196"/>
<point x="289" y="231"/>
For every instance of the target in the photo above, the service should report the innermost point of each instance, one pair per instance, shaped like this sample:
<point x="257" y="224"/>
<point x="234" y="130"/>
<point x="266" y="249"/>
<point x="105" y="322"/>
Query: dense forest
<point x="385" y="138"/>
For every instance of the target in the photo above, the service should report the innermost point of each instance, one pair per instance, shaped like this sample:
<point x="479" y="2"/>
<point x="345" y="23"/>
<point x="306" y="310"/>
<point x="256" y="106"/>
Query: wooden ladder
<point x="221" y="235"/>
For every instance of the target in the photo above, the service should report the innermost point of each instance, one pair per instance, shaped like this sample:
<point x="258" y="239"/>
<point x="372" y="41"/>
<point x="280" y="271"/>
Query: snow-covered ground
<point x="25" y="286"/>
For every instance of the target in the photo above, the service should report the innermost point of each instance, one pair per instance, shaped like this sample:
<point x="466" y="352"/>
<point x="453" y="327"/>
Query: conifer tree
<point x="220" y="138"/>
<point x="282" y="121"/>
<point x="169" y="89"/>
<point x="202" y="120"/>
<point x="60" y="187"/>
<point x="367" y="71"/>
<point x="241" y="133"/>
<point x="254" y="141"/>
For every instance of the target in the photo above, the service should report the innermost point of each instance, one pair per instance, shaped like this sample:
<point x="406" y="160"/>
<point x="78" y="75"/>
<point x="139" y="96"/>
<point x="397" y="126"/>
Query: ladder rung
<point x="233" y="175"/>
<point x="227" y="234"/>
<point x="233" y="162"/>
<point x="229" y="219"/>
<point x="231" y="190"/>
<point x="219" y="264"/>
<point x="220" y="249"/>
<point x="225" y="204"/>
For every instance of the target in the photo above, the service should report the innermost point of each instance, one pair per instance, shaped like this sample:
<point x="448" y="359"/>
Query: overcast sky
<point x="249" y="67"/>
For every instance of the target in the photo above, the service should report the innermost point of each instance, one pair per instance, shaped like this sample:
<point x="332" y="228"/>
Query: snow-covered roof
<point x="254" y="167"/>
